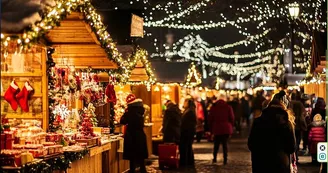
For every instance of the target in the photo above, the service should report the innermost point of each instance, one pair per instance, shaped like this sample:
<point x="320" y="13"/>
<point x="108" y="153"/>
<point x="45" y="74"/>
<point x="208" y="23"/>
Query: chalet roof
<point x="78" y="34"/>
<point x="140" y="69"/>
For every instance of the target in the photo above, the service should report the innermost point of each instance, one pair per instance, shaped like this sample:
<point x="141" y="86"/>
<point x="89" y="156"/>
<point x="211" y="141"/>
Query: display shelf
<point x="34" y="95"/>
<point x="9" y="74"/>
<point x="27" y="115"/>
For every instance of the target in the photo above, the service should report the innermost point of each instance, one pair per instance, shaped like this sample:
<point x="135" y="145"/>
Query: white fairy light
<point x="62" y="111"/>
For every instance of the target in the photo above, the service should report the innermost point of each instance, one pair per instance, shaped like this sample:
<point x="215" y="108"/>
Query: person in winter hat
<point x="272" y="139"/>
<point x="135" y="143"/>
<point x="171" y="123"/>
<point x="317" y="134"/>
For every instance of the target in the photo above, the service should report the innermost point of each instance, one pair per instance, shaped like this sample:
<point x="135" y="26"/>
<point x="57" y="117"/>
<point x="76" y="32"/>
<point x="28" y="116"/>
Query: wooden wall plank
<point x="72" y="23"/>
<point x="92" y="33"/>
<point x="97" y="51"/>
<point x="68" y="28"/>
<point x="71" y="40"/>
<point x="139" y="71"/>
<point x="74" y="46"/>
<point x="54" y="35"/>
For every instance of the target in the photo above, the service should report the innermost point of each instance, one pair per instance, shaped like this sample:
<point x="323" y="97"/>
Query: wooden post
<point x="44" y="90"/>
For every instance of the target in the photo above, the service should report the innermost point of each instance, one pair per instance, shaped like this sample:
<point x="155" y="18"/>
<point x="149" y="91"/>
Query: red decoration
<point x="10" y="95"/>
<point x="86" y="128"/>
<point x="110" y="94"/>
<point x="130" y="98"/>
<point x="24" y="96"/>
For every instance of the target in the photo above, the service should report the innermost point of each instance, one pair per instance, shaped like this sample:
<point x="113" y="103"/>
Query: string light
<point x="259" y="15"/>
<point x="141" y="56"/>
<point x="56" y="14"/>
<point x="193" y="74"/>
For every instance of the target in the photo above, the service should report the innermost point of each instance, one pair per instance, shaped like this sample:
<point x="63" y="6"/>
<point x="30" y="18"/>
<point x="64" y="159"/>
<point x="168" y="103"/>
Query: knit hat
<point x="317" y="118"/>
<point x="130" y="98"/>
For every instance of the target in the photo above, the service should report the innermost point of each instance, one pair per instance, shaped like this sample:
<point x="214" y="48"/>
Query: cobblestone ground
<point x="239" y="160"/>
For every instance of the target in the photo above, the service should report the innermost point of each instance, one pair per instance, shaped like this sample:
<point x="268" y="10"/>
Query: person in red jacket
<point x="317" y="134"/>
<point x="220" y="121"/>
<point x="200" y="121"/>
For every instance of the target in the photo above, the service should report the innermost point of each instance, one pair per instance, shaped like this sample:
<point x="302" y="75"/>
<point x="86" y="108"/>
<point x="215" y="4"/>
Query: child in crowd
<point x="316" y="135"/>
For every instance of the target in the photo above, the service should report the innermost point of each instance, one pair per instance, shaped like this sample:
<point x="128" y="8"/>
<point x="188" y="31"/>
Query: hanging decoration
<point x="61" y="112"/>
<point x="194" y="78"/>
<point x="89" y="120"/>
<point x="265" y="25"/>
<point x="141" y="55"/>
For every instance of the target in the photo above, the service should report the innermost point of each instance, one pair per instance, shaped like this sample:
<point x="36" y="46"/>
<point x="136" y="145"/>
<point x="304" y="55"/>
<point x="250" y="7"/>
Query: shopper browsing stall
<point x="135" y="144"/>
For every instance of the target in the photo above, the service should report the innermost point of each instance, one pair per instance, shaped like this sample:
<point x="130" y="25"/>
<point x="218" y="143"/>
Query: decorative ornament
<point x="61" y="111"/>
<point x="110" y="95"/>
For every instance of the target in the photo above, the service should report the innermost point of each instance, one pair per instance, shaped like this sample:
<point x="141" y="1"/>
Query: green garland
<point x="140" y="55"/>
<point x="61" y="163"/>
<point x="74" y="156"/>
<point x="53" y="16"/>
<point x="33" y="167"/>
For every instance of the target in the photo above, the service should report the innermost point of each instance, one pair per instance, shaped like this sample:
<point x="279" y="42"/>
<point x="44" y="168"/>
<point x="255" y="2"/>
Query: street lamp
<point x="294" y="11"/>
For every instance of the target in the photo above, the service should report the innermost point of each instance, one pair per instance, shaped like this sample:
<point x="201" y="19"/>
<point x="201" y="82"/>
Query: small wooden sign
<point x="137" y="26"/>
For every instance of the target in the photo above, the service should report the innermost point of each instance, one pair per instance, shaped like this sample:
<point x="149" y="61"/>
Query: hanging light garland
<point x="193" y="74"/>
<point x="53" y="17"/>
<point x="141" y="55"/>
<point x="260" y="12"/>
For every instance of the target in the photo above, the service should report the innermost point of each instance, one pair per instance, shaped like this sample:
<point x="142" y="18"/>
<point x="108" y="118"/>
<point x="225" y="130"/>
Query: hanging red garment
<point x="200" y="117"/>
<point x="200" y="111"/>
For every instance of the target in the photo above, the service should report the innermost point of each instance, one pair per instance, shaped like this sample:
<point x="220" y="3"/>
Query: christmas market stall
<point x="170" y="79"/>
<point x="315" y="80"/>
<point x="140" y="80"/>
<point x="51" y="123"/>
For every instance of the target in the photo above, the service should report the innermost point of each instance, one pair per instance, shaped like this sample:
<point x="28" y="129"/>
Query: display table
<point x="103" y="159"/>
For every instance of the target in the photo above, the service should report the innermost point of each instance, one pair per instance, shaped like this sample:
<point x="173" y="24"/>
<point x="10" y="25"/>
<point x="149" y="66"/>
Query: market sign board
<point x="137" y="26"/>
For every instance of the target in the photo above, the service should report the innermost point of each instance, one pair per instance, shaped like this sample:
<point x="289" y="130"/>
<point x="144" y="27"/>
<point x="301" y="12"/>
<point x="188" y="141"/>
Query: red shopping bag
<point x="168" y="156"/>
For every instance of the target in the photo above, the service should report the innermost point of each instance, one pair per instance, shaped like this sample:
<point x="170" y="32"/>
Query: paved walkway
<point x="239" y="160"/>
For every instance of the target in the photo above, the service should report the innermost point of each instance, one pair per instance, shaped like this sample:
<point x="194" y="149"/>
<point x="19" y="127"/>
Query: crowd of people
<point x="278" y="123"/>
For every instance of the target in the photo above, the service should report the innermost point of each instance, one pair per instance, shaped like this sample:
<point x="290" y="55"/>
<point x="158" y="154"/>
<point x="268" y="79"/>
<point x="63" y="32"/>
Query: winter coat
<point x="135" y="142"/>
<point x="221" y="118"/>
<point x="246" y="110"/>
<point x="299" y="113"/>
<point x="200" y="117"/>
<point x="188" y="124"/>
<point x="237" y="109"/>
<point x="272" y="141"/>
<point x="317" y="134"/>
<point x="171" y="124"/>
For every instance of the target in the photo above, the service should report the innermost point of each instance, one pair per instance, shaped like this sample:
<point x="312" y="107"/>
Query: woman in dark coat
<point x="171" y="123"/>
<point x="188" y="131"/>
<point x="272" y="138"/>
<point x="135" y="143"/>
<point x="320" y="108"/>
